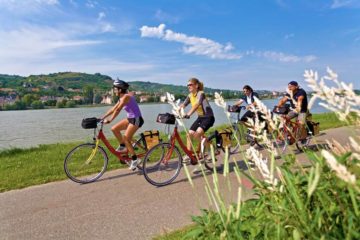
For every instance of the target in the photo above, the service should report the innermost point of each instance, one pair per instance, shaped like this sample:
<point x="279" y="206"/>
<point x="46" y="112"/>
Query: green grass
<point x="175" y="235"/>
<point x="20" y="168"/>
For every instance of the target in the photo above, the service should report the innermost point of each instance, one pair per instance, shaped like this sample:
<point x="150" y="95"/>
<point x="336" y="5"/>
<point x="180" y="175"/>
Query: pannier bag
<point x="224" y="138"/>
<point x="313" y="127"/>
<point x="166" y="118"/>
<point x="150" y="138"/>
<point x="88" y="123"/>
<point x="282" y="110"/>
<point x="234" y="108"/>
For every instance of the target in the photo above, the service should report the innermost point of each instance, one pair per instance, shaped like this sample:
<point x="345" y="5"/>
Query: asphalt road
<point x="121" y="205"/>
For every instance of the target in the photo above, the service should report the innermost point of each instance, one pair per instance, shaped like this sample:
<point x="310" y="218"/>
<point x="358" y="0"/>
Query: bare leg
<point x="129" y="133"/>
<point x="188" y="140"/>
<point x="117" y="128"/>
<point x="197" y="136"/>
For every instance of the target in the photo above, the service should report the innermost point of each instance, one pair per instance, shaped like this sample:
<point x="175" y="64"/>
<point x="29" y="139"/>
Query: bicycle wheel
<point x="281" y="140"/>
<point x="140" y="150"/>
<point x="219" y="156"/>
<point x="85" y="163"/>
<point x="162" y="164"/>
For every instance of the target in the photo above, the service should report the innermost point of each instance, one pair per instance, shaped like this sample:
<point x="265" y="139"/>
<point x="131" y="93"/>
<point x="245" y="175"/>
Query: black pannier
<point x="234" y="108"/>
<point x="282" y="110"/>
<point x="313" y="127"/>
<point x="88" y="123"/>
<point x="166" y="118"/>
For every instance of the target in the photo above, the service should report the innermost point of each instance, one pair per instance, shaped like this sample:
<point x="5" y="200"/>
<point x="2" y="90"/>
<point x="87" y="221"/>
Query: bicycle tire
<point x="218" y="161"/>
<point x="155" y="165"/>
<point x="80" y="168"/>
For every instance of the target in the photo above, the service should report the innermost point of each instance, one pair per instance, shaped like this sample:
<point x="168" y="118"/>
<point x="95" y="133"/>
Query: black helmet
<point x="121" y="84"/>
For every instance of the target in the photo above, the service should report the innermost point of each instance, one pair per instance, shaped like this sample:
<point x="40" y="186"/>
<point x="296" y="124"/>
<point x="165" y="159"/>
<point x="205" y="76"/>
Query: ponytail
<point x="196" y="81"/>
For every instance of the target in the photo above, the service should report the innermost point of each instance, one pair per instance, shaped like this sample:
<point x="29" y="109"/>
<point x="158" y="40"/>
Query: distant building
<point x="144" y="98"/>
<point x="107" y="99"/>
<point x="78" y="98"/>
<point x="47" y="98"/>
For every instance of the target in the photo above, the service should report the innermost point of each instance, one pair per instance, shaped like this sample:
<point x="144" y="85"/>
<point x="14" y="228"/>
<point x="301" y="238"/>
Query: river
<point x="28" y="128"/>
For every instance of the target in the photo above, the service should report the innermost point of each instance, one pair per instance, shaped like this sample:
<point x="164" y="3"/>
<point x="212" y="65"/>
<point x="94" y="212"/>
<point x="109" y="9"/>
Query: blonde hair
<point x="197" y="81"/>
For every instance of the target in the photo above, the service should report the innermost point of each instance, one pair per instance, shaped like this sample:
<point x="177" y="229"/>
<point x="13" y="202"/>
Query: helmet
<point x="121" y="84"/>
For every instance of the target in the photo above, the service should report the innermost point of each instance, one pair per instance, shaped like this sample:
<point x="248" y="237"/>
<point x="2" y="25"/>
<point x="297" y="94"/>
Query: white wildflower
<point x="355" y="145"/>
<point x="340" y="98"/>
<point x="261" y="164"/>
<point x="340" y="170"/>
<point x="219" y="100"/>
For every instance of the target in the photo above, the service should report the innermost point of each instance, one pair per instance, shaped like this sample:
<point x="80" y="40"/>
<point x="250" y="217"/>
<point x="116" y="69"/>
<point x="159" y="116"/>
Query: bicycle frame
<point x="175" y="136"/>
<point x="123" y="157"/>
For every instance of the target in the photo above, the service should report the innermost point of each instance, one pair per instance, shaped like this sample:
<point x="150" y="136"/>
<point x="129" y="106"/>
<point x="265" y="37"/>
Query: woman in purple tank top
<point x="130" y="124"/>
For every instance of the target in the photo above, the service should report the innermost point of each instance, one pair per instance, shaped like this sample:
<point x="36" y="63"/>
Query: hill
<point x="64" y="79"/>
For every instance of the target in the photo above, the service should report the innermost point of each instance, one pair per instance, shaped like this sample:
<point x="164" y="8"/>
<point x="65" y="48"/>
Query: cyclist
<point x="248" y="98"/>
<point x="130" y="124"/>
<point x="299" y="103"/>
<point x="201" y="106"/>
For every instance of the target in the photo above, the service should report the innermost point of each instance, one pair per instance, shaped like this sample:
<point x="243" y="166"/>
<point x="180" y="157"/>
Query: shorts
<point x="203" y="122"/>
<point x="301" y="117"/>
<point x="249" y="114"/>
<point x="139" y="121"/>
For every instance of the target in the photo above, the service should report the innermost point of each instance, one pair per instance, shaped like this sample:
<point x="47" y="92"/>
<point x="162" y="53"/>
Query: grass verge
<point x="20" y="168"/>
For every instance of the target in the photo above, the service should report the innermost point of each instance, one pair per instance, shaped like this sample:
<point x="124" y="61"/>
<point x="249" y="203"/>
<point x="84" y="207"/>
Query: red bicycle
<point x="289" y="134"/>
<point x="163" y="162"/>
<point x="87" y="162"/>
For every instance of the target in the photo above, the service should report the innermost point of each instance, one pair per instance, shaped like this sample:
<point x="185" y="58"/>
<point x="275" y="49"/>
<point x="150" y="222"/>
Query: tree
<point x="88" y="93"/>
<point x="29" y="98"/>
<point x="97" y="98"/>
<point x="70" y="104"/>
<point x="37" y="104"/>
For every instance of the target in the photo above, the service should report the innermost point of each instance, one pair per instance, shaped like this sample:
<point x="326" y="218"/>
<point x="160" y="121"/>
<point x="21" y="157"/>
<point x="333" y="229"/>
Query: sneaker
<point x="120" y="148"/>
<point x="186" y="159"/>
<point x="133" y="164"/>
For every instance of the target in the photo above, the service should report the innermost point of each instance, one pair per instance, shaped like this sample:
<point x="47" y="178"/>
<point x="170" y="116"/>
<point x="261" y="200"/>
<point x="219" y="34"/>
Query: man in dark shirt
<point x="299" y="104"/>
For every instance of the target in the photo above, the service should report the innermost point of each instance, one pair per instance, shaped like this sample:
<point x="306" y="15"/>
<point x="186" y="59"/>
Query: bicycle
<point x="237" y="135"/>
<point x="87" y="162"/>
<point x="289" y="133"/>
<point x="163" y="162"/>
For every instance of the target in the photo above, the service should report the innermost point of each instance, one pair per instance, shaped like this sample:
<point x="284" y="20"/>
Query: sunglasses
<point x="190" y="84"/>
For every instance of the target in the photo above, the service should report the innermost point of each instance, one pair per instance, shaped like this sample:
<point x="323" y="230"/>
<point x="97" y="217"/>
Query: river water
<point x="29" y="128"/>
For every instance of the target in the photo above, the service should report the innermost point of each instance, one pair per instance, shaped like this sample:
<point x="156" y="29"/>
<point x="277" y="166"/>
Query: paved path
<point x="121" y="205"/>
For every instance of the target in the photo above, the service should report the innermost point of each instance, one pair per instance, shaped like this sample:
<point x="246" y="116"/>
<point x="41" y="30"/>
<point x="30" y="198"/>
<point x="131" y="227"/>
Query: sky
<point x="226" y="44"/>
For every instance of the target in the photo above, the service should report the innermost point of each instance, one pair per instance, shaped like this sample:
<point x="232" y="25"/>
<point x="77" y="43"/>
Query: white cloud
<point x="345" y="4"/>
<point x="26" y="6"/>
<point x="37" y="42"/>
<point x="281" y="57"/>
<point x="101" y="16"/>
<point x="193" y="45"/>
<point x="107" y="27"/>
<point x="91" y="4"/>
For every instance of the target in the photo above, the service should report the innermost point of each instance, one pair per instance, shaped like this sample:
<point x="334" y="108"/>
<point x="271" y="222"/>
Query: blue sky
<point x="226" y="44"/>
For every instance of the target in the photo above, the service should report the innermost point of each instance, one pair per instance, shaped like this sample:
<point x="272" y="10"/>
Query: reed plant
<point x="291" y="201"/>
